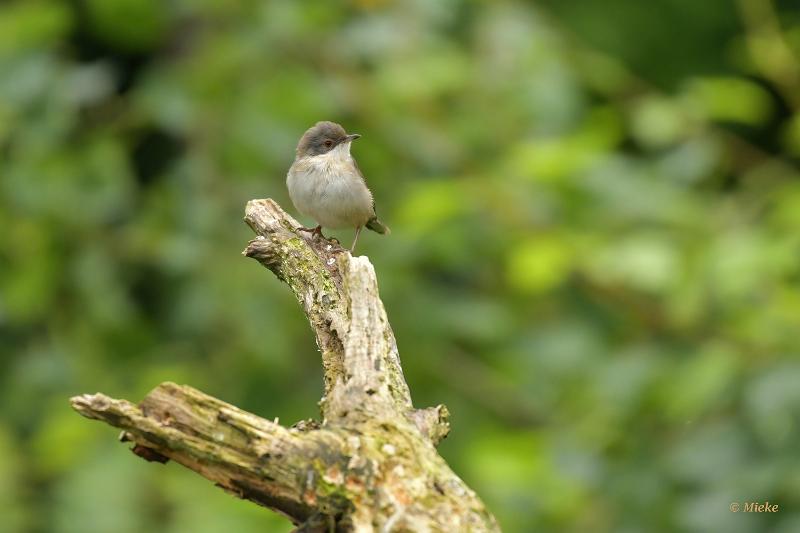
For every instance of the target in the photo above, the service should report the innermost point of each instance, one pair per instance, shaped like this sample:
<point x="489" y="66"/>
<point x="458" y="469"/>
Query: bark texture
<point x="369" y="465"/>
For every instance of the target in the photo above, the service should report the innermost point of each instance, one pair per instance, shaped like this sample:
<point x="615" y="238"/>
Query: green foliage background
<point x="594" y="261"/>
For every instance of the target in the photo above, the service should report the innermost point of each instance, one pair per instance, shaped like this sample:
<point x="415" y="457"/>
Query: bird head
<point x="323" y="137"/>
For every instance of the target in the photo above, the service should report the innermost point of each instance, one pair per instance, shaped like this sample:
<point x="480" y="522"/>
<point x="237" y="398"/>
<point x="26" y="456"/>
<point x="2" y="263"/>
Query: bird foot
<point x="315" y="232"/>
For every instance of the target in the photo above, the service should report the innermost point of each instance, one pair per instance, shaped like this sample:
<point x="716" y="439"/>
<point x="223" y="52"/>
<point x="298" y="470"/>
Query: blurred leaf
<point x="658" y="122"/>
<point x="731" y="100"/>
<point x="75" y="440"/>
<point x="701" y="384"/>
<point x="773" y="401"/>
<point x="641" y="261"/>
<point x="111" y="21"/>
<point x="430" y="205"/>
<point x="553" y="159"/>
<point x="106" y="494"/>
<point x="539" y="264"/>
<point x="12" y="488"/>
<point x="26" y="25"/>
<point x="791" y="135"/>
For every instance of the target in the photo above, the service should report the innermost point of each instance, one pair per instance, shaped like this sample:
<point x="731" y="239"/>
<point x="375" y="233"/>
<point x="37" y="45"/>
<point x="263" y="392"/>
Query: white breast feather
<point x="328" y="189"/>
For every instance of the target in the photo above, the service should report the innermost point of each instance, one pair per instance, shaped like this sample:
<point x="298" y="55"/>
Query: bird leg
<point x="352" y="248"/>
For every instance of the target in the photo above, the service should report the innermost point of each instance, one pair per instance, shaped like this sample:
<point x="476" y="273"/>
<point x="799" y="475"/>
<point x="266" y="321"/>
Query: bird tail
<point x="378" y="227"/>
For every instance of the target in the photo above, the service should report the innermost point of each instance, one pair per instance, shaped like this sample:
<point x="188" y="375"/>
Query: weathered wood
<point x="370" y="465"/>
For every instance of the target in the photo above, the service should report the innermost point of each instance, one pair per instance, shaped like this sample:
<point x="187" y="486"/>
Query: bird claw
<point x="315" y="232"/>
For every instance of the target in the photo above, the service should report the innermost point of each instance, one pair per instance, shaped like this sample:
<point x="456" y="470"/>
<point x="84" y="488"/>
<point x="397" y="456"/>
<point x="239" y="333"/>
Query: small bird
<point x="326" y="184"/>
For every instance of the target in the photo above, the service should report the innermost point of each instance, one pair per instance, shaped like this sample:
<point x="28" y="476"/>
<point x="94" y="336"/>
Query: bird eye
<point x="328" y="143"/>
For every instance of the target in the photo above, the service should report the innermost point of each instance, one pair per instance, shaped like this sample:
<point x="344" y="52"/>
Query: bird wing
<point x="374" y="223"/>
<point x="361" y="175"/>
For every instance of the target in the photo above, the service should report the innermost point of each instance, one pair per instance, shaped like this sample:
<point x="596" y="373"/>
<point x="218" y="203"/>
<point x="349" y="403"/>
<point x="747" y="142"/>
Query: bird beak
<point x="353" y="137"/>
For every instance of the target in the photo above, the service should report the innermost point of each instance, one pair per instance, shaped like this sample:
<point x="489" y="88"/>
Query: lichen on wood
<point x="369" y="465"/>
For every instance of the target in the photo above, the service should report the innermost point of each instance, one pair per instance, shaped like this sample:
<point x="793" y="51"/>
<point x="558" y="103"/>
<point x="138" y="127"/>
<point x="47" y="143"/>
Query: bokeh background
<point x="595" y="257"/>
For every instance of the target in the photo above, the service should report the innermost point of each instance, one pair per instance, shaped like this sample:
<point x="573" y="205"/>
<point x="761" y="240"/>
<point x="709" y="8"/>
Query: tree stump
<point x="370" y="465"/>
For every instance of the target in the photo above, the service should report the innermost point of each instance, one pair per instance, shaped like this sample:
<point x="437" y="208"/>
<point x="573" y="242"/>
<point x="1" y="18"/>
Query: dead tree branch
<point x="370" y="465"/>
